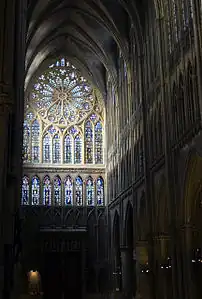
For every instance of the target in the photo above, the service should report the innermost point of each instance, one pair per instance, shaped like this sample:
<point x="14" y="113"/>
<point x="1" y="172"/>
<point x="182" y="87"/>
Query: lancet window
<point x="35" y="190"/>
<point x="57" y="190"/>
<point x="46" y="191"/>
<point x="64" y="118"/>
<point x="90" y="192"/>
<point x="76" y="191"/>
<point x="100" y="191"/>
<point x="68" y="191"/>
<point x="25" y="190"/>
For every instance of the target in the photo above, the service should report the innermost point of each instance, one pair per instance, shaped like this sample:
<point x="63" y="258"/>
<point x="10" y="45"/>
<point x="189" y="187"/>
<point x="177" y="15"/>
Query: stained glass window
<point x="35" y="141"/>
<point x="62" y="98"/>
<point x="35" y="190"/>
<point x="25" y="190"/>
<point x="89" y="192"/>
<point x="78" y="191"/>
<point x="98" y="143"/>
<point x="57" y="190"/>
<point x="77" y="150"/>
<point x="56" y="149"/>
<point x="88" y="143"/>
<point x="68" y="191"/>
<point x="46" y="191"/>
<point x="26" y="141"/>
<point x="47" y="149"/>
<point x="68" y="149"/>
<point x="100" y="191"/>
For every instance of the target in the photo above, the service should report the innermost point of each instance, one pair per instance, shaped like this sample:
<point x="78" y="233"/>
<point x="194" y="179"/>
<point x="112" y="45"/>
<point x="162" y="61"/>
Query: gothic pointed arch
<point x="64" y="129"/>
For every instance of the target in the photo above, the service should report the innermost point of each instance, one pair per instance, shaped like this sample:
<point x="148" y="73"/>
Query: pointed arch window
<point x="68" y="149"/>
<point x="57" y="190"/>
<point x="46" y="191"/>
<point x="89" y="192"/>
<point x="47" y="149"/>
<point x="56" y="149"/>
<point x="98" y="143"/>
<point x="26" y="141"/>
<point x="35" y="190"/>
<point x="77" y="150"/>
<point x="88" y="143"/>
<point x="35" y="141"/>
<point x="100" y="191"/>
<point x="79" y="191"/>
<point x="68" y="191"/>
<point x="25" y="190"/>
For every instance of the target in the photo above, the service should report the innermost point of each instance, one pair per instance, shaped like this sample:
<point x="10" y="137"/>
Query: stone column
<point x="127" y="272"/>
<point x="163" y="268"/>
<point x="186" y="246"/>
<point x="143" y="271"/>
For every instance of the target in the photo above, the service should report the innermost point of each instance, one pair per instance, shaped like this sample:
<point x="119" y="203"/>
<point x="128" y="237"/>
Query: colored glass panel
<point x="47" y="149"/>
<point x="35" y="190"/>
<point x="68" y="149"/>
<point x="56" y="149"/>
<point x="46" y="191"/>
<point x="25" y="191"/>
<point x="77" y="150"/>
<point x="98" y="143"/>
<point x="90" y="192"/>
<point x="88" y="143"/>
<point x="79" y="191"/>
<point x="68" y="191"/>
<point x="100" y="191"/>
<point x="57" y="190"/>
<point x="35" y="141"/>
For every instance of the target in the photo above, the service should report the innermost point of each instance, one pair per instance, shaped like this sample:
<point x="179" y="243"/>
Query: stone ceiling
<point x="88" y="32"/>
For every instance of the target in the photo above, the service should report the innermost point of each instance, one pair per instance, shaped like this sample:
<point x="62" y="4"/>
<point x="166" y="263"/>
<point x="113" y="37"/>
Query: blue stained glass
<point x="68" y="149"/>
<point x="88" y="143"/>
<point x="35" y="190"/>
<point x="73" y="130"/>
<point x="26" y="141"/>
<point x="98" y="143"/>
<point x="79" y="191"/>
<point x="77" y="150"/>
<point x="46" y="191"/>
<point x="68" y="191"/>
<point x="25" y="190"/>
<point x="35" y="141"/>
<point x="47" y="149"/>
<point x="56" y="149"/>
<point x="100" y="191"/>
<point x="51" y="130"/>
<point x="57" y="190"/>
<point x="90" y="192"/>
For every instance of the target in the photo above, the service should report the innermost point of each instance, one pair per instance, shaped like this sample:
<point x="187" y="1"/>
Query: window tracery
<point x="25" y="190"/>
<point x="46" y="191"/>
<point x="57" y="190"/>
<point x="68" y="191"/>
<point x="64" y="102"/>
<point x="75" y="191"/>
<point x="35" y="190"/>
<point x="100" y="191"/>
<point x="79" y="191"/>
<point x="89" y="192"/>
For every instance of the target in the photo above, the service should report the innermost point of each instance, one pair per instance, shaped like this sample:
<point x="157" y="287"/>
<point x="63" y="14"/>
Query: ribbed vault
<point x="88" y="32"/>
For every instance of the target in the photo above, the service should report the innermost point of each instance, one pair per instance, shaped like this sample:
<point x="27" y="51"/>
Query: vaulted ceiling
<point x="88" y="32"/>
